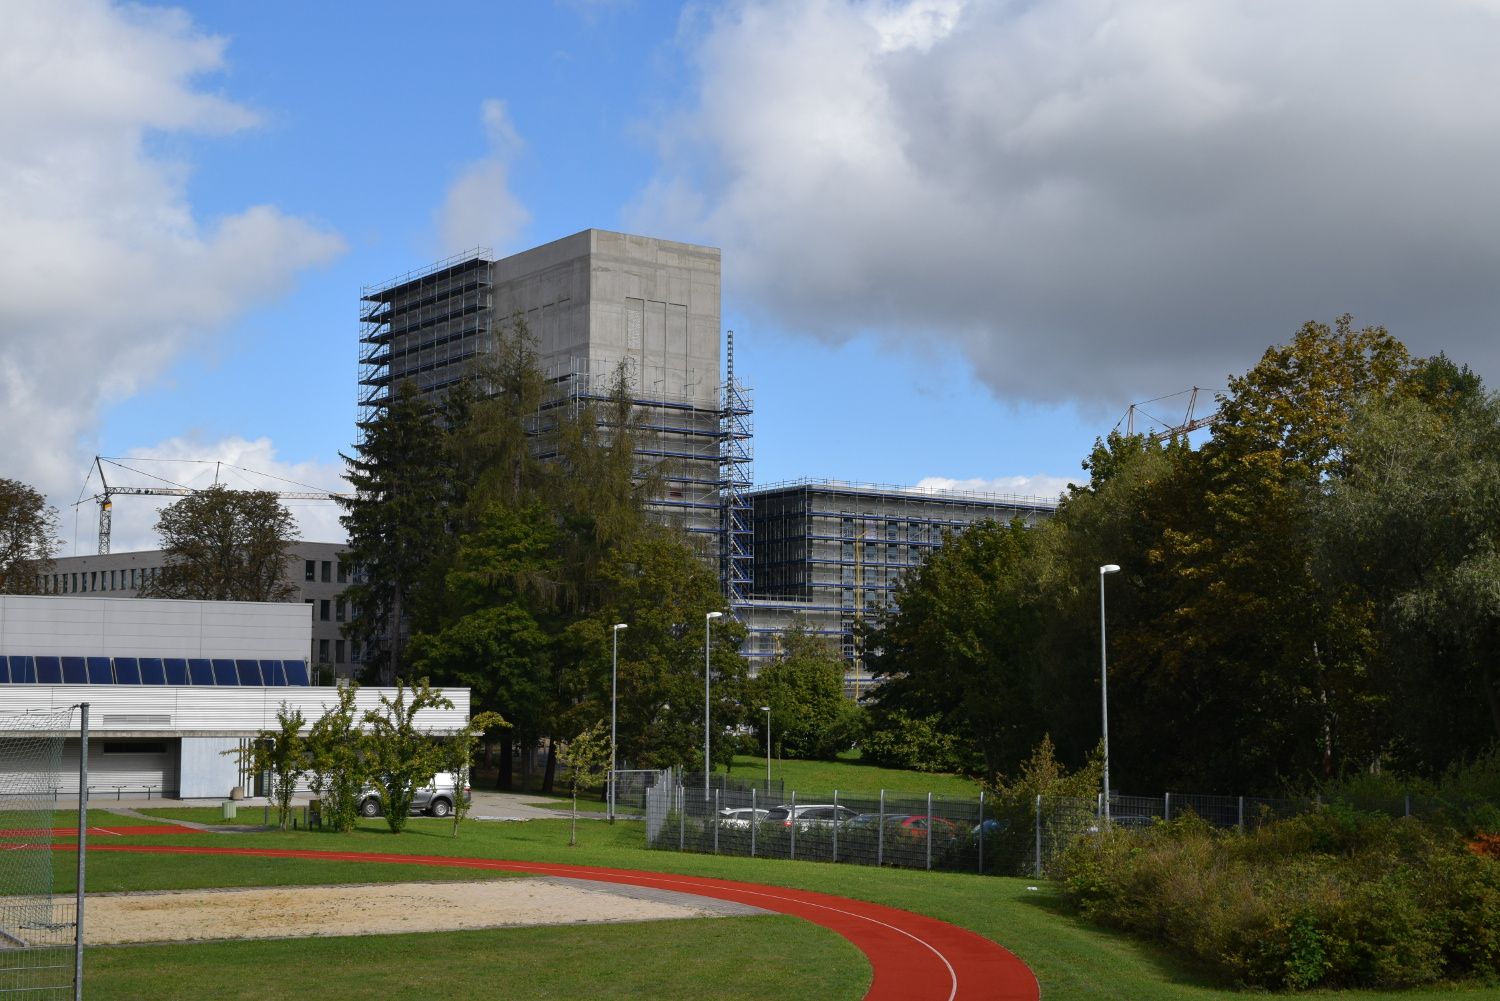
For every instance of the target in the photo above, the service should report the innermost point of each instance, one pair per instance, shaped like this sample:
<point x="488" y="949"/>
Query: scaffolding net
<point x="38" y="927"/>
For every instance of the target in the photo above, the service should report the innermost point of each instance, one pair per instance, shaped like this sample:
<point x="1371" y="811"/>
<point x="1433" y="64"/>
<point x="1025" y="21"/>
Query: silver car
<point x="436" y="797"/>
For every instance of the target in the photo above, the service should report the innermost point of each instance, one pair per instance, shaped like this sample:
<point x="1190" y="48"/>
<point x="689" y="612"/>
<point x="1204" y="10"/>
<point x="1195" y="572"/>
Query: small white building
<point x="171" y="686"/>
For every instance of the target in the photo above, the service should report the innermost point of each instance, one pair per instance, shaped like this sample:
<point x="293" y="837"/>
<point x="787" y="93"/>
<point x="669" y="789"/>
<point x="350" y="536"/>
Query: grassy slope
<point x="817" y="779"/>
<point x="1072" y="960"/>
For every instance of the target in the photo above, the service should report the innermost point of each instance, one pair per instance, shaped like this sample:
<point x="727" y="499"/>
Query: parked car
<point x="741" y="816"/>
<point x="810" y="815"/>
<point x="436" y="797"/>
<point x="912" y="826"/>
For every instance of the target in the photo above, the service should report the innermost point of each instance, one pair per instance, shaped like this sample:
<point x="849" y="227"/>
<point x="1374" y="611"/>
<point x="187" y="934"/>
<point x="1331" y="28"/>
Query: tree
<point x="224" y="545"/>
<point x="961" y="644"/>
<point x="398" y="523"/>
<point x="336" y="762"/>
<point x="458" y="758"/>
<point x="1415" y="528"/>
<point x="28" y="537"/>
<point x="804" y="686"/>
<point x="587" y="758"/>
<point x="282" y="754"/>
<point x="400" y="756"/>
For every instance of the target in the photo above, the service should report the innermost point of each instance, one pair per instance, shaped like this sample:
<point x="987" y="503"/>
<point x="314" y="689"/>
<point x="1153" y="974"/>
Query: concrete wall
<point x="57" y="625"/>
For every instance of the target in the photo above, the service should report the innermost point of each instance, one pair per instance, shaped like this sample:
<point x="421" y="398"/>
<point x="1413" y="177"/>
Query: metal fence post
<point x="880" y="833"/>
<point x="835" y="825"/>
<point x="716" y="821"/>
<point x="1166" y="806"/>
<point x="1038" y="835"/>
<point x="929" y="830"/>
<point x="1240" y="824"/>
<point x="754" y="821"/>
<point x="1408" y="804"/>
<point x="681" y="820"/>
<point x="792" y="819"/>
<point x="981" y="832"/>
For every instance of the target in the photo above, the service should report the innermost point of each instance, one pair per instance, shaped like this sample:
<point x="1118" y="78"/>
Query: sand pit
<point x="380" y="909"/>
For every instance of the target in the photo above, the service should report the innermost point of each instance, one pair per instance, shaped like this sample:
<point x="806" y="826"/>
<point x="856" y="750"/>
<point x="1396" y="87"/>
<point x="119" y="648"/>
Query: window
<point x="338" y="651"/>
<point x="338" y="610"/>
<point x="93" y="580"/>
<point x="343" y="572"/>
<point x="323" y="651"/>
<point x="323" y="608"/>
<point x="327" y="571"/>
<point x="354" y="651"/>
<point x="310" y="570"/>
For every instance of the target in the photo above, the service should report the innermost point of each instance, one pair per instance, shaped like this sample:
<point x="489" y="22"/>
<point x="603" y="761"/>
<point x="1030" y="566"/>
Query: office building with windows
<point x="833" y="554"/>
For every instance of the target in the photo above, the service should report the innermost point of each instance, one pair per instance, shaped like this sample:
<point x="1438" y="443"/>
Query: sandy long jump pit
<point x="381" y="909"/>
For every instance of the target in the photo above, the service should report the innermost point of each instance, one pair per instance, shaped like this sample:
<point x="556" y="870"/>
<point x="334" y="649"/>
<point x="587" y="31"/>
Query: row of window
<point x="336" y="655"/>
<point x="88" y="581"/>
<point x="339" y="608"/>
<point x="311" y="567"/>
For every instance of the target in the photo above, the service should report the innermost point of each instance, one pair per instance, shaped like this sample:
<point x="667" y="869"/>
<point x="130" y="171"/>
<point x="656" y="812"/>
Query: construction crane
<point x="1189" y="421"/>
<point x="107" y="492"/>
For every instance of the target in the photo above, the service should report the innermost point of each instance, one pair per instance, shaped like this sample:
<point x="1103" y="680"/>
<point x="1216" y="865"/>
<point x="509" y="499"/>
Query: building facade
<point x="319" y="571"/>
<point x="833" y="554"/>
<point x="174" y="687"/>
<point x="596" y="303"/>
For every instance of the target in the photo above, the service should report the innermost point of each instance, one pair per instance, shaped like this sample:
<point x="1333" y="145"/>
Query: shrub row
<point x="1334" y="898"/>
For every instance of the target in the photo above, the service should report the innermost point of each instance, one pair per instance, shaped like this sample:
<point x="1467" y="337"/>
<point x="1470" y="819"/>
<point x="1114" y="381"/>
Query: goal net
<point x="38" y="925"/>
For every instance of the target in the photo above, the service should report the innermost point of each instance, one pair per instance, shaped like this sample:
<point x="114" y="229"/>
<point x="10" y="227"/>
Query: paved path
<point x="912" y="957"/>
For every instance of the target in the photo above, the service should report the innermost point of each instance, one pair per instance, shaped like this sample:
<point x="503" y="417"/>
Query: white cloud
<point x="1042" y="485"/>
<point x="479" y="209"/>
<point x="106" y="276"/>
<point x="189" y="462"/>
<point x="1096" y="200"/>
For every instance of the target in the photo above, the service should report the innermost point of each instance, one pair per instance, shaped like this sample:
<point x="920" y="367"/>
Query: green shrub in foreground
<point x="1334" y="898"/>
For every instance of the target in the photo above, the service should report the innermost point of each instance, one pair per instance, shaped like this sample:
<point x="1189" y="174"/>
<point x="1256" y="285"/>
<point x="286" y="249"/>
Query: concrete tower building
<point x="593" y="302"/>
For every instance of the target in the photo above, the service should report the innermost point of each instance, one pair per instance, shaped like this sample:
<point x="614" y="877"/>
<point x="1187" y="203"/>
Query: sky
<point x="959" y="237"/>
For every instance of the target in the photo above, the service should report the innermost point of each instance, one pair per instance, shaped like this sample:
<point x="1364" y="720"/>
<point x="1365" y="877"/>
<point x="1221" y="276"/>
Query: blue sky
<point x="959" y="237"/>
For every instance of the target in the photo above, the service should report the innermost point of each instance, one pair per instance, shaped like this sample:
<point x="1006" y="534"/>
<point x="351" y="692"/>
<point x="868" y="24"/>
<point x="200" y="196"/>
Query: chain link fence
<point x="929" y="831"/>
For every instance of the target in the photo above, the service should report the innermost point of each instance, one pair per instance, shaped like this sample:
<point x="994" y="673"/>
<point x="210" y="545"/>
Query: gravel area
<point x="379" y="909"/>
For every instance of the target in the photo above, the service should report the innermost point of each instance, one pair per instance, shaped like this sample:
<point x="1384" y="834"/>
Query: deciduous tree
<point x="224" y="545"/>
<point x="28" y="537"/>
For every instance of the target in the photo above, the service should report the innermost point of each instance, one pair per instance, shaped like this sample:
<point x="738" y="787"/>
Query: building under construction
<point x="833" y="553"/>
<point x="595" y="303"/>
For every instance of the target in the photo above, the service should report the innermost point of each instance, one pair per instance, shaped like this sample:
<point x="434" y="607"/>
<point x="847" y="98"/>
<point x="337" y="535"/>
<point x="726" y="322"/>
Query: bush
<point x="1334" y="898"/>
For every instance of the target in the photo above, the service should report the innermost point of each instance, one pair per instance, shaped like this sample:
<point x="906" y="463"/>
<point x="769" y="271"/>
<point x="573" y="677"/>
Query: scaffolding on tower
<point x="735" y="464"/>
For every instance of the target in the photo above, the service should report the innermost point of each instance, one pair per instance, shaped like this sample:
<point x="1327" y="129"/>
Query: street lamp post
<point x="708" y="621"/>
<point x="1108" y="568"/>
<point x="767" y="711"/>
<point x="614" y="699"/>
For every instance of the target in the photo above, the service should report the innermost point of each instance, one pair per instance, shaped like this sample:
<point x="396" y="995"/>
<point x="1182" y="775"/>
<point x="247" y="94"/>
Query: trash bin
<point x="314" y="813"/>
<point x="231" y="809"/>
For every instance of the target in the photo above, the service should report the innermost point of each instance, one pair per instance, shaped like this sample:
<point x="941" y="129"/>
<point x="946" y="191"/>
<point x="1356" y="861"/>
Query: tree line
<point x="501" y="531"/>
<point x="1313" y="592"/>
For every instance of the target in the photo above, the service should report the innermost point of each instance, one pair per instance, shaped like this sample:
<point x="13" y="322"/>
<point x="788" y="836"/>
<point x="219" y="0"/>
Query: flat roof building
<point x="834" y="553"/>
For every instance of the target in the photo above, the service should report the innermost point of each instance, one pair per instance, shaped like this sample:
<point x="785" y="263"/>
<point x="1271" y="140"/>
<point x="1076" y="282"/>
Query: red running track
<point x="913" y="957"/>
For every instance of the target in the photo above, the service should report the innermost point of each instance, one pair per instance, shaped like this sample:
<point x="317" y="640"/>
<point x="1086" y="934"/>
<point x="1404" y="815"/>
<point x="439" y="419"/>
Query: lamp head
<point x="620" y="625"/>
<point x="1108" y="568"/>
<point x="765" y="709"/>
<point x="715" y="615"/>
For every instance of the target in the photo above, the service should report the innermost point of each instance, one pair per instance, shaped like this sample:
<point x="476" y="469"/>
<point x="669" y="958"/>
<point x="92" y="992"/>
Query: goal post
<point x="41" y="930"/>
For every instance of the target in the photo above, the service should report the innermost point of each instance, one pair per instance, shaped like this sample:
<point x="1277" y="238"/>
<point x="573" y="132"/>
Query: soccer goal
<point x="41" y="930"/>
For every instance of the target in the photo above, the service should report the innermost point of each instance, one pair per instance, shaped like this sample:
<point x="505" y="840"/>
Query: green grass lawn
<point x="733" y="958"/>
<point x="211" y="814"/>
<point x="1073" y="960"/>
<point x="818" y="779"/>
